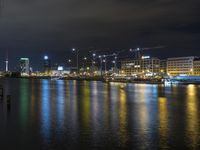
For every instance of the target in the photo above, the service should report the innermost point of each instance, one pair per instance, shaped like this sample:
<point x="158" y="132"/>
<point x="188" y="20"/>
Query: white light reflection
<point x="45" y="110"/>
<point x="60" y="104"/>
<point x="144" y="111"/>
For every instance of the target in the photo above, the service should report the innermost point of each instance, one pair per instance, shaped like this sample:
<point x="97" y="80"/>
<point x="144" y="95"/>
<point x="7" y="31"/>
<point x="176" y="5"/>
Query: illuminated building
<point x="47" y="65"/>
<point x="89" y="68"/>
<point x="24" y="66"/>
<point x="196" y="67"/>
<point x="180" y="66"/>
<point x="163" y="66"/>
<point x="60" y="70"/>
<point x="144" y="66"/>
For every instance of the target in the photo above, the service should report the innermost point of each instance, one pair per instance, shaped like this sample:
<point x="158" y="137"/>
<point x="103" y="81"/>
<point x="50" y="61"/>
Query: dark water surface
<point x="60" y="114"/>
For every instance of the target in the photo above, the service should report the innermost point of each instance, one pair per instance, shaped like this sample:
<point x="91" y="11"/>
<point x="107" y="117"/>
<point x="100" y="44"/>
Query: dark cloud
<point x="32" y="26"/>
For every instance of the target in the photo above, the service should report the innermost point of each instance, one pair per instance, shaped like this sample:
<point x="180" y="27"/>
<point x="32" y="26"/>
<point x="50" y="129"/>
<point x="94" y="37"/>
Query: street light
<point x="93" y="62"/>
<point x="105" y="67"/>
<point x="84" y="63"/>
<point x="77" y="57"/>
<point x="114" y="67"/>
<point x="46" y="57"/>
<point x="100" y="57"/>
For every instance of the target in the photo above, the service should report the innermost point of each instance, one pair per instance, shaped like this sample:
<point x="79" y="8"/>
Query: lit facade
<point x="148" y="66"/>
<point x="24" y="66"/>
<point x="180" y="66"/>
<point x="196" y="67"/>
<point x="163" y="66"/>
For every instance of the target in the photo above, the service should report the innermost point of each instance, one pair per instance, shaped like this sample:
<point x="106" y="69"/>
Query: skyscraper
<point x="24" y="66"/>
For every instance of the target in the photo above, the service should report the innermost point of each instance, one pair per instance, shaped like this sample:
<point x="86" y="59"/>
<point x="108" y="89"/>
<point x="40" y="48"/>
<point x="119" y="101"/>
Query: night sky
<point x="33" y="28"/>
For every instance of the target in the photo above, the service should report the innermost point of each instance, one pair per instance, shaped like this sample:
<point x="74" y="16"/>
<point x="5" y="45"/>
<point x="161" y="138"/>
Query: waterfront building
<point x="163" y="66"/>
<point x="89" y="68"/>
<point x="24" y="66"/>
<point x="60" y="70"/>
<point x="145" y="66"/>
<point x="196" y="67"/>
<point x="180" y="66"/>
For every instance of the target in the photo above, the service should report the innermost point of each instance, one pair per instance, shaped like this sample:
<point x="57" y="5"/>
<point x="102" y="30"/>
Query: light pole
<point x="77" y="59"/>
<point x="100" y="64"/>
<point x="84" y="63"/>
<point x="93" y="61"/>
<point x="114" y="63"/>
<point x="69" y="61"/>
<point x="105" y="67"/>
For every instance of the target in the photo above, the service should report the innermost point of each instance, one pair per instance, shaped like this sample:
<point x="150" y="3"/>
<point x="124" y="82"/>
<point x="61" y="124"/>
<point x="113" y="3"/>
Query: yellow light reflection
<point x="94" y="93"/>
<point x="192" y="129"/>
<point x="123" y="116"/>
<point x="86" y="104"/>
<point x="142" y="112"/>
<point x="106" y="104"/>
<point x="73" y="97"/>
<point x="163" y="122"/>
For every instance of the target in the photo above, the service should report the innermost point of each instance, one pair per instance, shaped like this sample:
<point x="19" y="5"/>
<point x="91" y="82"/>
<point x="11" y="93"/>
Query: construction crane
<point x="103" y="58"/>
<point x="137" y="51"/>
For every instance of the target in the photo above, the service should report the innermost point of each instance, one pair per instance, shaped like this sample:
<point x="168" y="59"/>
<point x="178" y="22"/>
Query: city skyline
<point x="63" y="57"/>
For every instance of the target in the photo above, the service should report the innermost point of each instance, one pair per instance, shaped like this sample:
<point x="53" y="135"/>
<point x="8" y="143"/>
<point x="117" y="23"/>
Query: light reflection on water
<point x="192" y="115"/>
<point x="24" y="102"/>
<point x="163" y="122"/>
<point x="45" y="110"/>
<point x="81" y="114"/>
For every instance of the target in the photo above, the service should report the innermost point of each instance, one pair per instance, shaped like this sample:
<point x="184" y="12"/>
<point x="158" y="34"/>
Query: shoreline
<point x="109" y="80"/>
<point x="149" y="81"/>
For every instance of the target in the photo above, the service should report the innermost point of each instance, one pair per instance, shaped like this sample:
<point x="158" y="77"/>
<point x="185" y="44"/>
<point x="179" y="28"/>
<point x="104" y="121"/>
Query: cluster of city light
<point x="99" y="62"/>
<point x="94" y="60"/>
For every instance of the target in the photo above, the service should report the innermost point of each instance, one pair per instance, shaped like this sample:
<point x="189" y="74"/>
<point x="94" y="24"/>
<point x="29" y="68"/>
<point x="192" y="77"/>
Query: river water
<point x="63" y="114"/>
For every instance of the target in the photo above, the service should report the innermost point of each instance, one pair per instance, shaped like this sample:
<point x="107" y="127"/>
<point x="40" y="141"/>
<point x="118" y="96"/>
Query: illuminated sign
<point x="137" y="66"/>
<point x="24" y="59"/>
<point x="130" y="64"/>
<point x="145" y="57"/>
<point x="60" y="68"/>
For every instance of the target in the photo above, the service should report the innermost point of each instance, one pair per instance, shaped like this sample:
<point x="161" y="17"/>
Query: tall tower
<point x="6" y="61"/>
